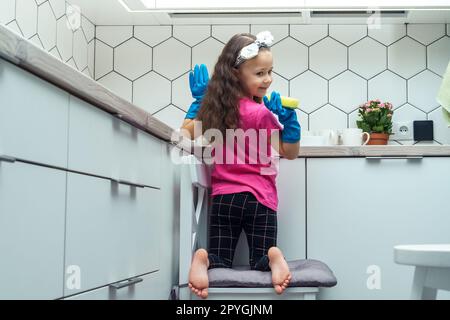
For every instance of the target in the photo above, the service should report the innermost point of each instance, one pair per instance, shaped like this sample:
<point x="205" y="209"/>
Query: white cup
<point x="331" y="137"/>
<point x="354" y="137"/>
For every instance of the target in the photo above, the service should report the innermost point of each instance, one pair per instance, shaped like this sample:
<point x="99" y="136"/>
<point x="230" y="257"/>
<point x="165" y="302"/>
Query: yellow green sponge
<point x="288" y="102"/>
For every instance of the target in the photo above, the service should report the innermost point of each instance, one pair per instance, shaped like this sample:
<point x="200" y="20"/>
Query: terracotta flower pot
<point x="378" y="138"/>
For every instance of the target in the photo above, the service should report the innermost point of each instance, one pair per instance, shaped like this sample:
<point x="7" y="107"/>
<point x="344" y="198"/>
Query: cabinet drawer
<point x="33" y="117"/>
<point x="141" y="288"/>
<point x="111" y="230"/>
<point x="32" y="205"/>
<point x="102" y="144"/>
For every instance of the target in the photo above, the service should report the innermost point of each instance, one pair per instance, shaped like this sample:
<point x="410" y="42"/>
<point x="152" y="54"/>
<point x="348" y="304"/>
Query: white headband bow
<point x="263" y="40"/>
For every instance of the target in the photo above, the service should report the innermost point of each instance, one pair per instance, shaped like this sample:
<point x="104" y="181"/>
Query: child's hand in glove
<point x="287" y="117"/>
<point x="198" y="81"/>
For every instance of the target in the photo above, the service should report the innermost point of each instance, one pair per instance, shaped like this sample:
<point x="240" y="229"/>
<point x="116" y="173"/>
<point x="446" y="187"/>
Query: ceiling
<point x="111" y="12"/>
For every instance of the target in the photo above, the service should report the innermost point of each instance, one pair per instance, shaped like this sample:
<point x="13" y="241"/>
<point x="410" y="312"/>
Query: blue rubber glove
<point x="198" y="82"/>
<point x="287" y="117"/>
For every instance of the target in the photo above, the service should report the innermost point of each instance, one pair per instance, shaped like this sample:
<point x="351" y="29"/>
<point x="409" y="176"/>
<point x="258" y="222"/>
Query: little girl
<point x="244" y="194"/>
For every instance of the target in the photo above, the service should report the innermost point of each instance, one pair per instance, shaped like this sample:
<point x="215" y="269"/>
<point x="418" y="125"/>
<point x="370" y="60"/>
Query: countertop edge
<point x="374" y="151"/>
<point x="340" y="151"/>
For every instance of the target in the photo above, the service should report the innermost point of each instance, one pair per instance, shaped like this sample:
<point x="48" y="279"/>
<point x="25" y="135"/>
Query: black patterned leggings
<point x="232" y="213"/>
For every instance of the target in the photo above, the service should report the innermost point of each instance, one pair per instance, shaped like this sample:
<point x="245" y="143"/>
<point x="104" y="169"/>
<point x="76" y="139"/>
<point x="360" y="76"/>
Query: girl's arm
<point x="187" y="129"/>
<point x="198" y="82"/>
<point x="289" y="150"/>
<point x="288" y="142"/>
<point x="286" y="150"/>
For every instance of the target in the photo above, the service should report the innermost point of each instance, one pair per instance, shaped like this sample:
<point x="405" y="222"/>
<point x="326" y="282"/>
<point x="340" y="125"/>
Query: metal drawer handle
<point x="128" y="183"/>
<point x="394" y="157"/>
<point x="7" y="158"/>
<point x="119" y="123"/>
<point x="127" y="283"/>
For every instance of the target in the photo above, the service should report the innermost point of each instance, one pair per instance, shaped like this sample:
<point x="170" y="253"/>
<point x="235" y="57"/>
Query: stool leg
<point x="429" y="293"/>
<point x="419" y="291"/>
<point x="309" y="296"/>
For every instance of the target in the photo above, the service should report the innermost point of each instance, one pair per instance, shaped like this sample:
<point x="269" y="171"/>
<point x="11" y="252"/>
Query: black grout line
<point x="95" y="52"/>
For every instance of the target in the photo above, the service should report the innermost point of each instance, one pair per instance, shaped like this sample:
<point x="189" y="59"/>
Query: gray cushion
<point x="305" y="273"/>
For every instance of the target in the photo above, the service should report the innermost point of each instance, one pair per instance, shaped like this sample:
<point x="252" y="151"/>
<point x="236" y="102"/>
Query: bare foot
<point x="198" y="275"/>
<point x="280" y="270"/>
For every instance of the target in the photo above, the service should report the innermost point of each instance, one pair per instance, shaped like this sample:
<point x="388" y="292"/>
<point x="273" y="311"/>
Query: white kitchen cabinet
<point x="112" y="231"/>
<point x="143" y="287"/>
<point x="102" y="144"/>
<point x="32" y="206"/>
<point x="358" y="209"/>
<point x="292" y="208"/>
<point x="33" y="117"/>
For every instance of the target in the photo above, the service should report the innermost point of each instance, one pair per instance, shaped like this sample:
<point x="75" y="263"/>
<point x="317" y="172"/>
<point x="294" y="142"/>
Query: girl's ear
<point x="235" y="71"/>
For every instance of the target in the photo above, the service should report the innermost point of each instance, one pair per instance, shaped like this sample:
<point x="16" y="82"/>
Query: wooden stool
<point x="432" y="262"/>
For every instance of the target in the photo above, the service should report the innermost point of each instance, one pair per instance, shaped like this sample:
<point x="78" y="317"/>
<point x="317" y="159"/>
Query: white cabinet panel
<point x="292" y="208"/>
<point x="146" y="289"/>
<point x="32" y="206"/>
<point x="101" y="144"/>
<point x="359" y="209"/>
<point x="33" y="117"/>
<point x="112" y="230"/>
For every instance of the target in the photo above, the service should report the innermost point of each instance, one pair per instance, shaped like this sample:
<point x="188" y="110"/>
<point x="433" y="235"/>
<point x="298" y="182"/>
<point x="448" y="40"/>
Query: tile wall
<point x="54" y="26"/>
<point x="330" y="68"/>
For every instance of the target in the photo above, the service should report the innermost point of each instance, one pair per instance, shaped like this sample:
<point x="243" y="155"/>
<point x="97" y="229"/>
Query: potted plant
<point x="376" y="119"/>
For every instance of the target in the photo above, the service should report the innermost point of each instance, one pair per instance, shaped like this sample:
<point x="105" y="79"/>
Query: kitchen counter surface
<point x="375" y="151"/>
<point x="24" y="54"/>
<point x="395" y="151"/>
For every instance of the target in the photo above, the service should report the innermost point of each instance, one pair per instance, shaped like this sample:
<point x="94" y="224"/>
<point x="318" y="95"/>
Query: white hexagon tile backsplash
<point x="331" y="69"/>
<point x="48" y="24"/>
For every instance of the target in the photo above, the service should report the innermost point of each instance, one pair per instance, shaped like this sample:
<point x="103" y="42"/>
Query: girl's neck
<point x="249" y="97"/>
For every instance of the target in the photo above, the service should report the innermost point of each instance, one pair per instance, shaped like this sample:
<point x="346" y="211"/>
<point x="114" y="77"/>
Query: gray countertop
<point x="24" y="54"/>
<point x="396" y="151"/>
<point x="375" y="151"/>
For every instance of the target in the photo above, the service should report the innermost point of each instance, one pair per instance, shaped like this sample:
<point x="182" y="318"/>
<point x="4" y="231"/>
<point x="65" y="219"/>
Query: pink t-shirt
<point x="249" y="166"/>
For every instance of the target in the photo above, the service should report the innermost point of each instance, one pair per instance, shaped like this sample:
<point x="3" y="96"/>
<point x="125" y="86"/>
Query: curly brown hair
<point x="219" y="108"/>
